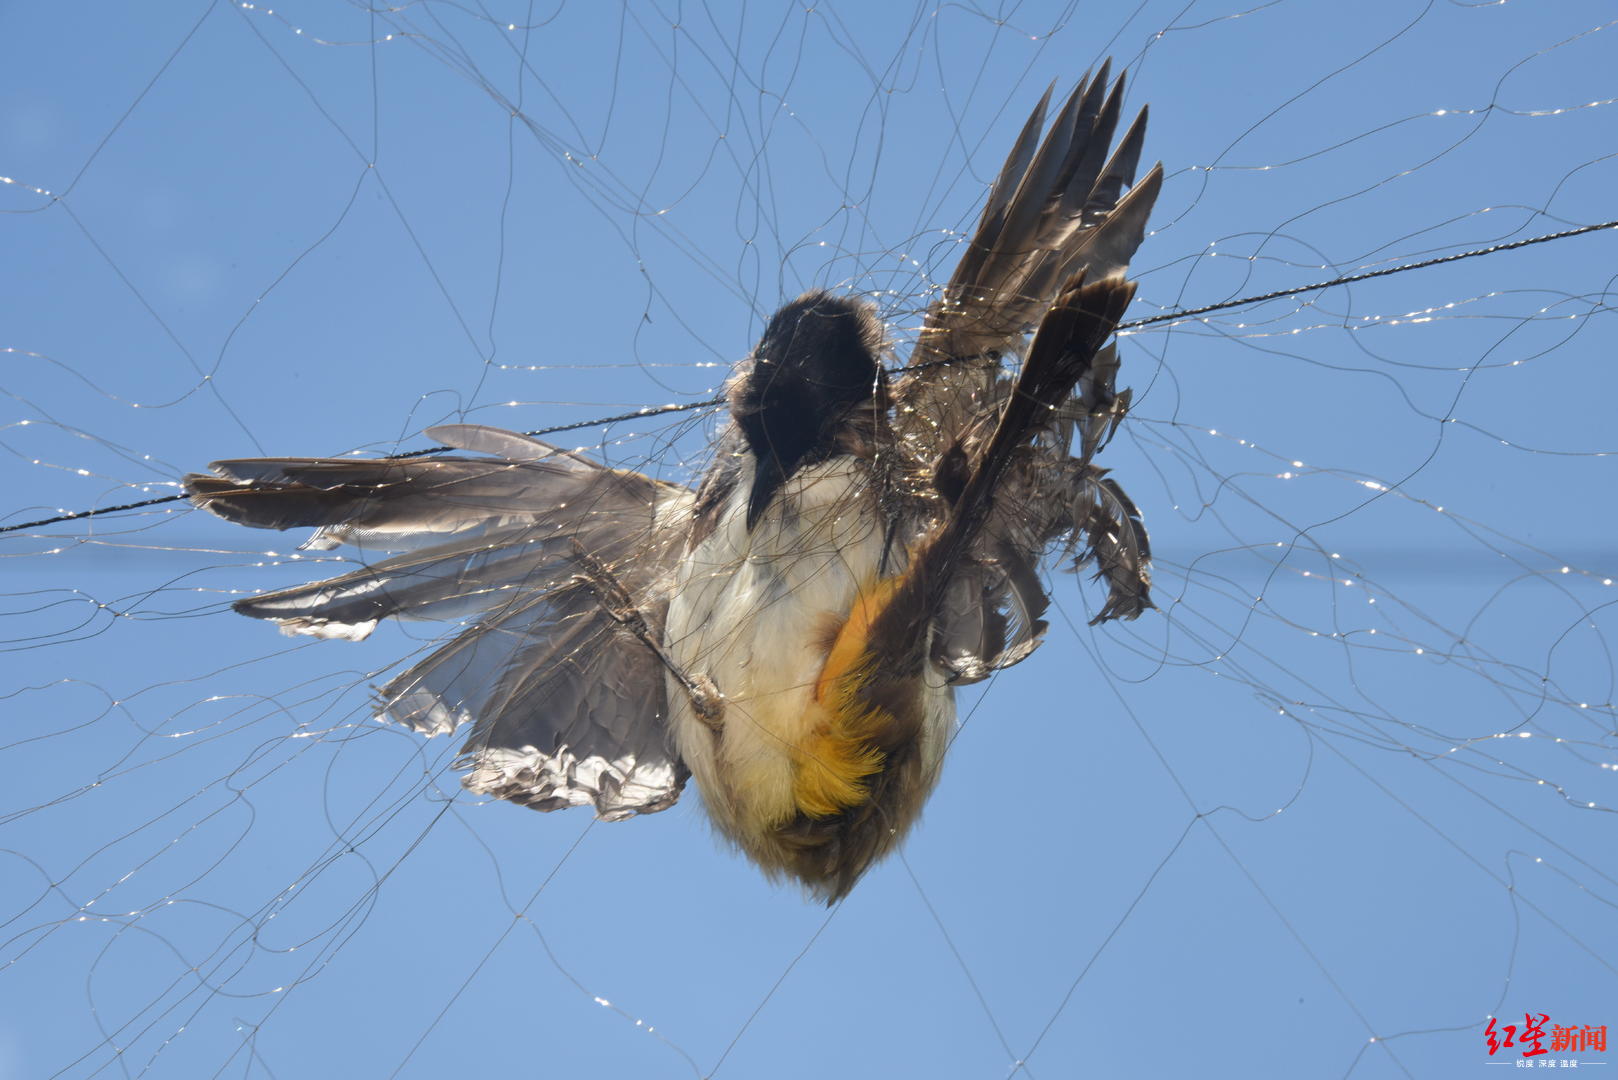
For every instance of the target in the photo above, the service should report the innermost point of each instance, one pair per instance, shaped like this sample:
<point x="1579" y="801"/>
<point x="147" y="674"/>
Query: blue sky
<point x="1347" y="794"/>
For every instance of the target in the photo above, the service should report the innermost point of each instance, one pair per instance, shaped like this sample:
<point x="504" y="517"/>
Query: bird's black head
<point x="816" y="363"/>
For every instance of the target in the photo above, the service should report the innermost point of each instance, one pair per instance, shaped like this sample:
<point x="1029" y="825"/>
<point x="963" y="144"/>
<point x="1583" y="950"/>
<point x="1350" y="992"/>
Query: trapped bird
<point x="791" y="632"/>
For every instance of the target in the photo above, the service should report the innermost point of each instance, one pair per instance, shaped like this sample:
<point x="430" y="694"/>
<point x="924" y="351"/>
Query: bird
<point x="791" y="632"/>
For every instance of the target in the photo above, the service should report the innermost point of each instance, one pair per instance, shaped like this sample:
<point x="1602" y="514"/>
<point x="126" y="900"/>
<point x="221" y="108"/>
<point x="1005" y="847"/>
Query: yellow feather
<point x="840" y="751"/>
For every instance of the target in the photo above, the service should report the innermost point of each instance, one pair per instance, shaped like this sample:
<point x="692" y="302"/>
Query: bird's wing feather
<point x="473" y="531"/>
<point x="984" y="516"/>
<point x="1062" y="206"/>
<point x="399" y="503"/>
<point x="603" y="512"/>
<point x="991" y="616"/>
<point x="566" y="706"/>
<point x="1053" y="211"/>
<point x="452" y="580"/>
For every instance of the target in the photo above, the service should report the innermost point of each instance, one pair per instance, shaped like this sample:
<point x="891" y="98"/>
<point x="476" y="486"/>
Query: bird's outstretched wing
<point x="1061" y="206"/>
<point x="1058" y="206"/>
<point x="564" y="701"/>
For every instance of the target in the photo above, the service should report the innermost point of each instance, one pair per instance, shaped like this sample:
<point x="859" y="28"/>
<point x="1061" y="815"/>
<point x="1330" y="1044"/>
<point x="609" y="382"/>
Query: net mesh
<point x="1343" y="797"/>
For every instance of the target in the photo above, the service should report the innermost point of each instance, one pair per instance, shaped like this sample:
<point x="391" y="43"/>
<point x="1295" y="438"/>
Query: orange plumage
<point x="841" y="752"/>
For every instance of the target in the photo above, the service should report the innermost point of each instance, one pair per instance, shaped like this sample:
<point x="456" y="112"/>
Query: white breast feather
<point x="749" y="611"/>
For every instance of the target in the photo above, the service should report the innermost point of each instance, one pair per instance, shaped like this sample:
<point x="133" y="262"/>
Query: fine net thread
<point x="226" y="855"/>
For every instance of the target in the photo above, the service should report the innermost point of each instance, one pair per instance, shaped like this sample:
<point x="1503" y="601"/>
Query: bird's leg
<point x="706" y="699"/>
